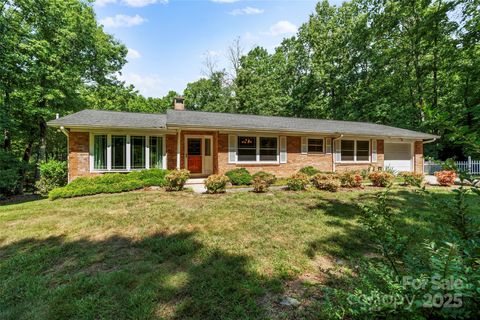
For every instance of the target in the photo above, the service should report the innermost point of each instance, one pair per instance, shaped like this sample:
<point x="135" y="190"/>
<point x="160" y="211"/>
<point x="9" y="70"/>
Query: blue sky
<point x="169" y="39"/>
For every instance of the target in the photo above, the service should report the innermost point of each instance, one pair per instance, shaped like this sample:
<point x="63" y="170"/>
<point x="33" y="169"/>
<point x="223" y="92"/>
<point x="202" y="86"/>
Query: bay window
<point x="110" y="152"/>
<point x="119" y="152"/>
<point x="100" y="152"/>
<point x="156" y="153"/>
<point x="137" y="152"/>
<point x="355" y="150"/>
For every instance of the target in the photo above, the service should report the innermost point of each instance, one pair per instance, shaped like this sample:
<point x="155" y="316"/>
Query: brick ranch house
<point x="208" y="142"/>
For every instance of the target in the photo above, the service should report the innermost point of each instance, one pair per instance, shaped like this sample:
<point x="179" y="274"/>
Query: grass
<point x="159" y="255"/>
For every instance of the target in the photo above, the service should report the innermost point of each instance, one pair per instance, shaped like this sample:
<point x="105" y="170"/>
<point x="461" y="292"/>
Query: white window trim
<point x="128" y="151"/>
<point x="257" y="152"/>
<point x="323" y="146"/>
<point x="355" y="151"/>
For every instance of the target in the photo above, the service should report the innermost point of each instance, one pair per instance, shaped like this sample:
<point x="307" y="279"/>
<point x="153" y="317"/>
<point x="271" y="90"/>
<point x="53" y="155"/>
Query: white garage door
<point x="398" y="156"/>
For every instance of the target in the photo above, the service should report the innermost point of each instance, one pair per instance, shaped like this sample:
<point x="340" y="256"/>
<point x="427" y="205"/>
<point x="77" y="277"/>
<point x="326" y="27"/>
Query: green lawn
<point x="183" y="255"/>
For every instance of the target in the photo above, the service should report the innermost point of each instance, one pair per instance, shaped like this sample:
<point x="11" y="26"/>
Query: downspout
<point x="179" y="135"/>
<point x="334" y="151"/>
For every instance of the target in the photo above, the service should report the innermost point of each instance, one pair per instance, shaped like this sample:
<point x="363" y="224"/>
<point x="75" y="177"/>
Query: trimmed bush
<point x="381" y="178"/>
<point x="176" y="179"/>
<point x="412" y="178"/>
<point x="351" y="179"/>
<point x="298" y="181"/>
<point x="260" y="185"/>
<point x="53" y="174"/>
<point x="216" y="183"/>
<point x="328" y="182"/>
<point x="268" y="177"/>
<point x="109" y="183"/>
<point x="309" y="171"/>
<point x="446" y="177"/>
<point x="150" y="177"/>
<point x="239" y="177"/>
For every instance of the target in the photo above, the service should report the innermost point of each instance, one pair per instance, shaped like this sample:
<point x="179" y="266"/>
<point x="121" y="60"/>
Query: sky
<point x="168" y="40"/>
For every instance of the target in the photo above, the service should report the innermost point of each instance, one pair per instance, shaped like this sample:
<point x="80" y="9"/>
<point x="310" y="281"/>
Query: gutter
<point x="62" y="129"/>
<point x="430" y="141"/>
<point x="333" y="150"/>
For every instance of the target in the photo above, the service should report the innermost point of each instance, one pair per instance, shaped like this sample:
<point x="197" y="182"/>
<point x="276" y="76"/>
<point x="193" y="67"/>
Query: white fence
<point x="470" y="166"/>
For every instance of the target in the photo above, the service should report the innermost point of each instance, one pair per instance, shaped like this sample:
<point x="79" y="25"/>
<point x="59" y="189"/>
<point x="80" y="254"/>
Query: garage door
<point x="398" y="156"/>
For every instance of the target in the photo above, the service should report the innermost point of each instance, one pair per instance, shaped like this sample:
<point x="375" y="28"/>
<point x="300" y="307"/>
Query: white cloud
<point x="247" y="10"/>
<point x="142" y="3"/>
<point x="147" y="85"/>
<point x="225" y="1"/>
<point x="133" y="54"/>
<point x="121" y="20"/>
<point x="282" y="27"/>
<point x="102" y="3"/>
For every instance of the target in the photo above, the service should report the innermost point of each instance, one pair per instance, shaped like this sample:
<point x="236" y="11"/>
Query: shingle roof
<point x="174" y="118"/>
<point x="243" y="121"/>
<point x="111" y="119"/>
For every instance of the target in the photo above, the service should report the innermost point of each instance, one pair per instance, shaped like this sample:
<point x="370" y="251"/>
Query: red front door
<point x="194" y="155"/>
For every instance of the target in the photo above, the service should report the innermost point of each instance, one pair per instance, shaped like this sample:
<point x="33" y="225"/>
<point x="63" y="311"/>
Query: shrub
<point x="239" y="177"/>
<point x="351" y="179"/>
<point x="53" y="174"/>
<point x="176" y="179"/>
<point x="216" y="183"/>
<point x="298" y="181"/>
<point x="412" y="178"/>
<point x="150" y="177"/>
<point x="109" y="183"/>
<point x="268" y="177"/>
<point x="11" y="174"/>
<point x="381" y="178"/>
<point x="328" y="182"/>
<point x="446" y="177"/>
<point x="309" y="171"/>
<point x="260" y="185"/>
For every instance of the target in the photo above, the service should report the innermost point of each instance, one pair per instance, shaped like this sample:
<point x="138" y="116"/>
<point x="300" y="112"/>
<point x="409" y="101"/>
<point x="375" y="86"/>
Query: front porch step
<point x="195" y="181"/>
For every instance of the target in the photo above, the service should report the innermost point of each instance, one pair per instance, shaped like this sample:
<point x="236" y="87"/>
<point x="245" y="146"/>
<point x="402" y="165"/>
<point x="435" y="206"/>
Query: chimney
<point x="178" y="103"/>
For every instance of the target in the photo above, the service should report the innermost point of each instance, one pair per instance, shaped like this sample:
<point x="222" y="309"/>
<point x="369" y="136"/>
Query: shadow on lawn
<point x="161" y="276"/>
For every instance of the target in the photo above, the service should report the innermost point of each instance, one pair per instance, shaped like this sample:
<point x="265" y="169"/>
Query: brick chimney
<point x="178" y="103"/>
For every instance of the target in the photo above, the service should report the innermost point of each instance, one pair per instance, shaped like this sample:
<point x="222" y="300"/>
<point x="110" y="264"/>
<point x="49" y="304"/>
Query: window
<point x="119" y="152"/>
<point x="137" y="152"/>
<point x="100" y="152"/>
<point x="315" y="145"/>
<point x="268" y="149"/>
<point x="348" y="150"/>
<point x="208" y="147"/>
<point x="355" y="150"/>
<point x="247" y="149"/>
<point x="156" y="154"/>
<point x="113" y="153"/>
<point x="363" y="150"/>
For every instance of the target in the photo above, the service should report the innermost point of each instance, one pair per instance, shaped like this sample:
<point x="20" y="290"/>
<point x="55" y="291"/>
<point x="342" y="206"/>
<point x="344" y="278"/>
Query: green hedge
<point x="110" y="183"/>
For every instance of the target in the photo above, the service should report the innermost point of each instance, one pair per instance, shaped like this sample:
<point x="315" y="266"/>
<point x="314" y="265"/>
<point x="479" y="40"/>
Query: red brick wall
<point x="171" y="150"/>
<point x="295" y="159"/>
<point x="78" y="155"/>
